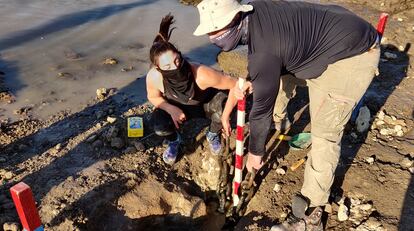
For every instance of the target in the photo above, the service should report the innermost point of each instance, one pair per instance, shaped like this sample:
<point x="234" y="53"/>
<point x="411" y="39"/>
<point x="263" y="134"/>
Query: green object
<point x="300" y="141"/>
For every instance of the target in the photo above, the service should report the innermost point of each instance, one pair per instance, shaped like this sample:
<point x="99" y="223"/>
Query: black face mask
<point x="235" y="35"/>
<point x="179" y="83"/>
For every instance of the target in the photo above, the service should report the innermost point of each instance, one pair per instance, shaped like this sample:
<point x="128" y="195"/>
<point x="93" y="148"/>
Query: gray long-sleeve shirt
<point x="300" y="38"/>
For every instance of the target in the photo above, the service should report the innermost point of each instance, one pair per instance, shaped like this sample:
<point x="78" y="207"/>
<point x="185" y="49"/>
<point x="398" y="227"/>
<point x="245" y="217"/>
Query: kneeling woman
<point x="181" y="90"/>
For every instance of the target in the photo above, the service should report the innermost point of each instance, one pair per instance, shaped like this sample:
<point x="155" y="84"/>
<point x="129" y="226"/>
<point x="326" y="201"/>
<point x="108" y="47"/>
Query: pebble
<point x="406" y="163"/>
<point x="411" y="170"/>
<point x="365" y="207"/>
<point x="381" y="115"/>
<point x="11" y="226"/>
<point x="280" y="171"/>
<point x="384" y="132"/>
<point x="110" y="61"/>
<point x="400" y="133"/>
<point x="343" y="212"/>
<point x="101" y="93"/>
<point x="380" y="122"/>
<point x="370" y="160"/>
<point x="111" y="120"/>
<point x="400" y="19"/>
<point x="390" y="55"/>
<point x="58" y="147"/>
<point x="362" y="121"/>
<point x="283" y="215"/>
<point x="8" y="175"/>
<point x="398" y="128"/>
<point x="257" y="218"/>
<point x="277" y="188"/>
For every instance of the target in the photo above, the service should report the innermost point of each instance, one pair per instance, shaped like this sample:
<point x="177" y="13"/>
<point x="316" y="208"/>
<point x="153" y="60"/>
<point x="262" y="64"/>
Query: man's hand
<point x="253" y="161"/>
<point x="240" y="93"/>
<point x="177" y="116"/>
<point x="225" y="121"/>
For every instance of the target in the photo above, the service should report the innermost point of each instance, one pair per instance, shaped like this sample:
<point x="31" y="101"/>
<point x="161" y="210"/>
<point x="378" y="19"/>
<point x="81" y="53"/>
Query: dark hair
<point x="161" y="42"/>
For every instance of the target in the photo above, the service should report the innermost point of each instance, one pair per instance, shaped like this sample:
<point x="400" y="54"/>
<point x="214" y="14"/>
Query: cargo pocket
<point x="333" y="113"/>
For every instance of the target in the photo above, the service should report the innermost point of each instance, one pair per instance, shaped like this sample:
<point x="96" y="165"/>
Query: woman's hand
<point x="177" y="115"/>
<point x="225" y="121"/>
<point x="240" y="93"/>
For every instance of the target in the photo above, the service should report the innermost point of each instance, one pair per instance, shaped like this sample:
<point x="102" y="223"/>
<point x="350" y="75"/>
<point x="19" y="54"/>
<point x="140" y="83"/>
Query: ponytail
<point x="161" y="42"/>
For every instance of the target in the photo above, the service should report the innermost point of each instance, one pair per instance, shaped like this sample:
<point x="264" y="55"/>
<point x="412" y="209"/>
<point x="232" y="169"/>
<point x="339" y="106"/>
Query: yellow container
<point x="135" y="127"/>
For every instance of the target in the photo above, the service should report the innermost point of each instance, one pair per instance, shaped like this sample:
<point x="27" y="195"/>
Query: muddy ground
<point x="87" y="175"/>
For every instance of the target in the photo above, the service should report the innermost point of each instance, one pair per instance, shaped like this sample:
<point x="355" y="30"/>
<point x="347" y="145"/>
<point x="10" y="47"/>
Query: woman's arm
<point x="208" y="77"/>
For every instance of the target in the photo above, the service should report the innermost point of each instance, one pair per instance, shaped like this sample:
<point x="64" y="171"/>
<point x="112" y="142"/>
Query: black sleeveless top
<point x="180" y="86"/>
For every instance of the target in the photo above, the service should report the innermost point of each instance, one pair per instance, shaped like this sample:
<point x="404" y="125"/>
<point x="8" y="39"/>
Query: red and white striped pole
<point x="26" y="208"/>
<point x="241" y="105"/>
<point x="381" y="25"/>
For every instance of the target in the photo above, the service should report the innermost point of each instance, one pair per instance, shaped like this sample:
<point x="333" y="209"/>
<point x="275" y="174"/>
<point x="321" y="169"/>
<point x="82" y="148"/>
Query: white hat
<point x="216" y="14"/>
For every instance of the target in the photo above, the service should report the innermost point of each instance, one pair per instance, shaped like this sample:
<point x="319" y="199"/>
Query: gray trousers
<point x="332" y="96"/>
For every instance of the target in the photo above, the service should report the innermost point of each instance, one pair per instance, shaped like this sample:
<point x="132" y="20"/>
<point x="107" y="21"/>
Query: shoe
<point x="170" y="154"/>
<point x="283" y="125"/>
<point x="214" y="142"/>
<point x="311" y="222"/>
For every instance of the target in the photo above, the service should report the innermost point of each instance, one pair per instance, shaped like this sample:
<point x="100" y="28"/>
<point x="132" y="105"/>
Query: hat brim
<point x="203" y="29"/>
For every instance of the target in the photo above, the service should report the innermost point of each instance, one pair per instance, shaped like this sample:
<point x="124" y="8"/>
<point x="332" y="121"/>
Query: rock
<point x="11" y="226"/>
<point x="58" y="147"/>
<point x="110" y="61"/>
<point x="208" y="176"/>
<point x="365" y="207"/>
<point x="390" y="55"/>
<point x="343" y="212"/>
<point x="111" y="120"/>
<point x="277" y="188"/>
<point x="139" y="146"/>
<point x="380" y="122"/>
<point x="8" y="175"/>
<point x="280" y="171"/>
<point x="101" y="93"/>
<point x="406" y="163"/>
<point x="370" y="160"/>
<point x="257" y="218"/>
<point x="362" y="121"/>
<point x="384" y="132"/>
<point x="400" y="19"/>
<point x="400" y="133"/>
<point x="381" y="115"/>
<point x="411" y="170"/>
<point x="117" y="143"/>
<point x="283" y="215"/>
<point x="3" y="160"/>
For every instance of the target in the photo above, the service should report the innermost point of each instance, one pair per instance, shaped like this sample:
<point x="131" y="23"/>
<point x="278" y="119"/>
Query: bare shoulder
<point x="155" y="78"/>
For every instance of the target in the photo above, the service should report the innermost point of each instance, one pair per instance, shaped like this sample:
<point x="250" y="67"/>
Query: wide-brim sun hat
<point x="216" y="14"/>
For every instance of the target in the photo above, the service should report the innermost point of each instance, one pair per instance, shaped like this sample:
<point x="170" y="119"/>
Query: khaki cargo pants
<point x="332" y="96"/>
